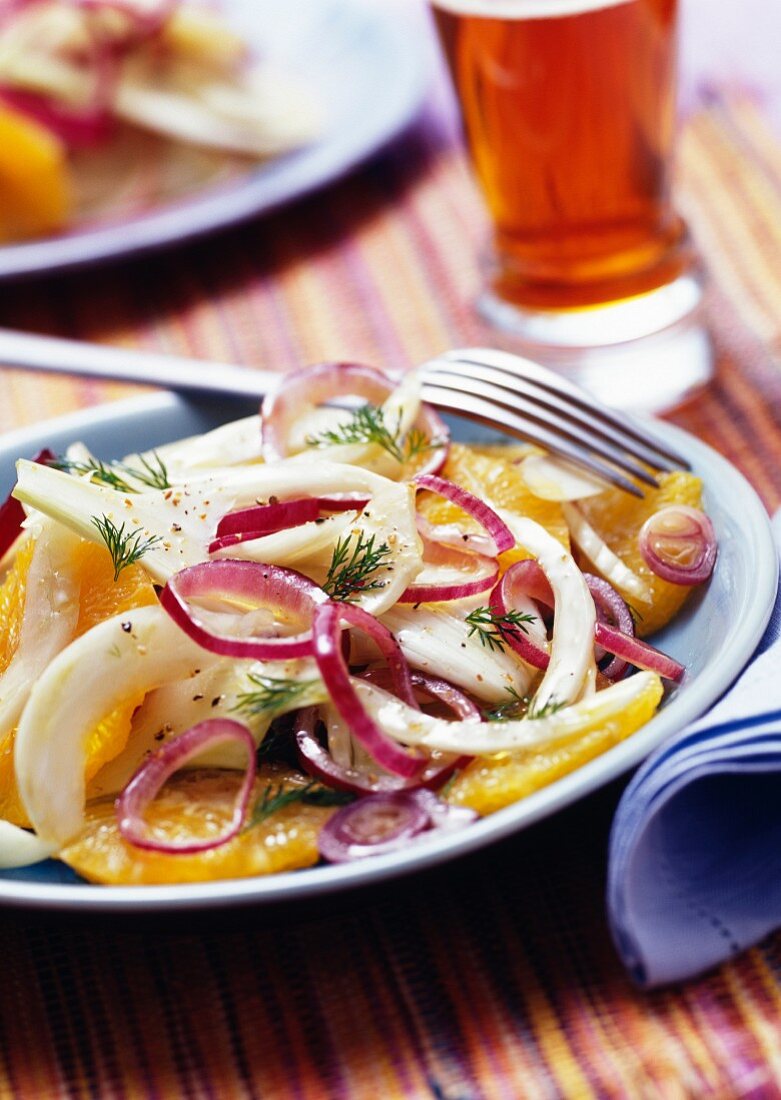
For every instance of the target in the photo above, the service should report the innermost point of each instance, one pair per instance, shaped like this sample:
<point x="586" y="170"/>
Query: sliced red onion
<point x="613" y="610"/>
<point x="344" y="503"/>
<point x="679" y="544"/>
<point x="251" y="582"/>
<point x="371" y="826"/>
<point x="156" y="769"/>
<point x="317" y="761"/>
<point x="385" y="822"/>
<point x="266" y="519"/>
<point x="322" y="383"/>
<point x="327" y="631"/>
<point x="440" y="690"/>
<point x="476" y="574"/>
<point x="523" y="578"/>
<point x="637" y="653"/>
<point x="453" y="536"/>
<point x="12" y="513"/>
<point x="501" y="535"/>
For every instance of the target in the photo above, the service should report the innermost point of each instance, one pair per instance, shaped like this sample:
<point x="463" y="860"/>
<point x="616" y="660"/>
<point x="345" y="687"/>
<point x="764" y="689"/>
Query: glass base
<point x="646" y="354"/>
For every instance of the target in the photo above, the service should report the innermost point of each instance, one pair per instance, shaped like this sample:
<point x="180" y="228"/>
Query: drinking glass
<point x="568" y="108"/>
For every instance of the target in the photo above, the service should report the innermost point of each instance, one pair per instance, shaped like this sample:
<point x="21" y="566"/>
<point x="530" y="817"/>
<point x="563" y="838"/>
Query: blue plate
<point x="713" y="637"/>
<point x="369" y="70"/>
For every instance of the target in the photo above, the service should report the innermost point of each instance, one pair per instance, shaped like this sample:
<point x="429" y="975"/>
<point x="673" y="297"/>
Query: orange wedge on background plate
<point x="35" y="185"/>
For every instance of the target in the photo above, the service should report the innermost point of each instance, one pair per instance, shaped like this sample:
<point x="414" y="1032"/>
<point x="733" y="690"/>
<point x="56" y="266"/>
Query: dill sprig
<point x="125" y="547"/>
<point x="494" y="629"/>
<point x="271" y="694"/>
<point x="546" y="710"/>
<point x="98" y="471"/>
<point x="351" y="569"/>
<point x="367" y="424"/>
<point x="515" y="707"/>
<point x="521" y="706"/>
<point x="276" y="798"/>
<point x="152" y="473"/>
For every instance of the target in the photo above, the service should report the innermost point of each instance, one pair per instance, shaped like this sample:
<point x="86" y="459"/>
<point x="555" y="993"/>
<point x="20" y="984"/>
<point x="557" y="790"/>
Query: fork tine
<point x="516" y="366"/>
<point x="617" y="446"/>
<point x="532" y="410"/>
<point x="486" y="412"/>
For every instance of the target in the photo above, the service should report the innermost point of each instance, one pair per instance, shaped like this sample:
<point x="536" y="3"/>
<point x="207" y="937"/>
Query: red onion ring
<point x="266" y="519"/>
<point x="482" y="572"/>
<point x="501" y="535"/>
<point x="378" y="823"/>
<point x="327" y="632"/>
<point x="523" y="578"/>
<point x="638" y="653"/>
<point x="12" y="514"/>
<point x="156" y="769"/>
<point x="264" y="585"/>
<point x="679" y="544"/>
<point x="613" y="610"/>
<point x="385" y="822"/>
<point x="318" y="762"/>
<point x="321" y="383"/>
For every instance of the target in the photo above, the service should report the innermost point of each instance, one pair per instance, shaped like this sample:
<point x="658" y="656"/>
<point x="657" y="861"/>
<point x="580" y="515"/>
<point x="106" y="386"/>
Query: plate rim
<point x="296" y="886"/>
<point x="260" y="193"/>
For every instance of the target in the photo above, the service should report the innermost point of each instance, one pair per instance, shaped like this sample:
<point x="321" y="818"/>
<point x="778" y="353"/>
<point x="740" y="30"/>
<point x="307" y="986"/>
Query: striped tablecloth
<point x="492" y="978"/>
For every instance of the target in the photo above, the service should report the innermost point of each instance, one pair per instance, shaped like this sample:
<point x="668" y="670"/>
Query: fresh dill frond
<point x="417" y="443"/>
<point x="494" y="629"/>
<point x="521" y="706"/>
<point x="276" y="798"/>
<point x="546" y="710"/>
<point x="125" y="547"/>
<point x="153" y="474"/>
<point x="98" y="472"/>
<point x="515" y="707"/>
<point x="270" y="694"/>
<point x="350" y="573"/>
<point x="367" y="424"/>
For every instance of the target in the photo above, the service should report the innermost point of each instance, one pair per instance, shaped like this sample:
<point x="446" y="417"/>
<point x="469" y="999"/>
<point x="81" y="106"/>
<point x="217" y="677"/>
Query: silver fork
<point x="503" y="391"/>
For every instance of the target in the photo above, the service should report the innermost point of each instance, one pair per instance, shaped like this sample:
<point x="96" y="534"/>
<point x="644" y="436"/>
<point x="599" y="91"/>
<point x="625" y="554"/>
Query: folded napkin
<point x="695" y="851"/>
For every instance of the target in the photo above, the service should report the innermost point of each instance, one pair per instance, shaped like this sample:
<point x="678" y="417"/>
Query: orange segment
<point x="497" y="481"/>
<point x="618" y="517"/>
<point x="100" y="598"/>
<point x="490" y="783"/>
<point x="197" y="804"/>
<point x="35" y="189"/>
<point x="12" y="593"/>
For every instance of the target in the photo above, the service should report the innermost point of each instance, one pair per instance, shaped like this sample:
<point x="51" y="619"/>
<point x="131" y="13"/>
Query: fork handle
<point x="53" y="355"/>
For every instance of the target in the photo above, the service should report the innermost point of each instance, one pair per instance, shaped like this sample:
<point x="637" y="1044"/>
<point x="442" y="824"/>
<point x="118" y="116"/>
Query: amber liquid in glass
<point x="568" y="108"/>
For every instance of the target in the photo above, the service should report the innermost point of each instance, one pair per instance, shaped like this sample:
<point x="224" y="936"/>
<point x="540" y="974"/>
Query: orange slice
<point x="618" y="517"/>
<point x="497" y="481"/>
<point x="35" y="189"/>
<point x="493" y="782"/>
<point x="101" y="597"/>
<point x="196" y="804"/>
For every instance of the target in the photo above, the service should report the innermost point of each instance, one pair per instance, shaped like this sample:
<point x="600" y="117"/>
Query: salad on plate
<point x="109" y="107"/>
<point x="320" y="634"/>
